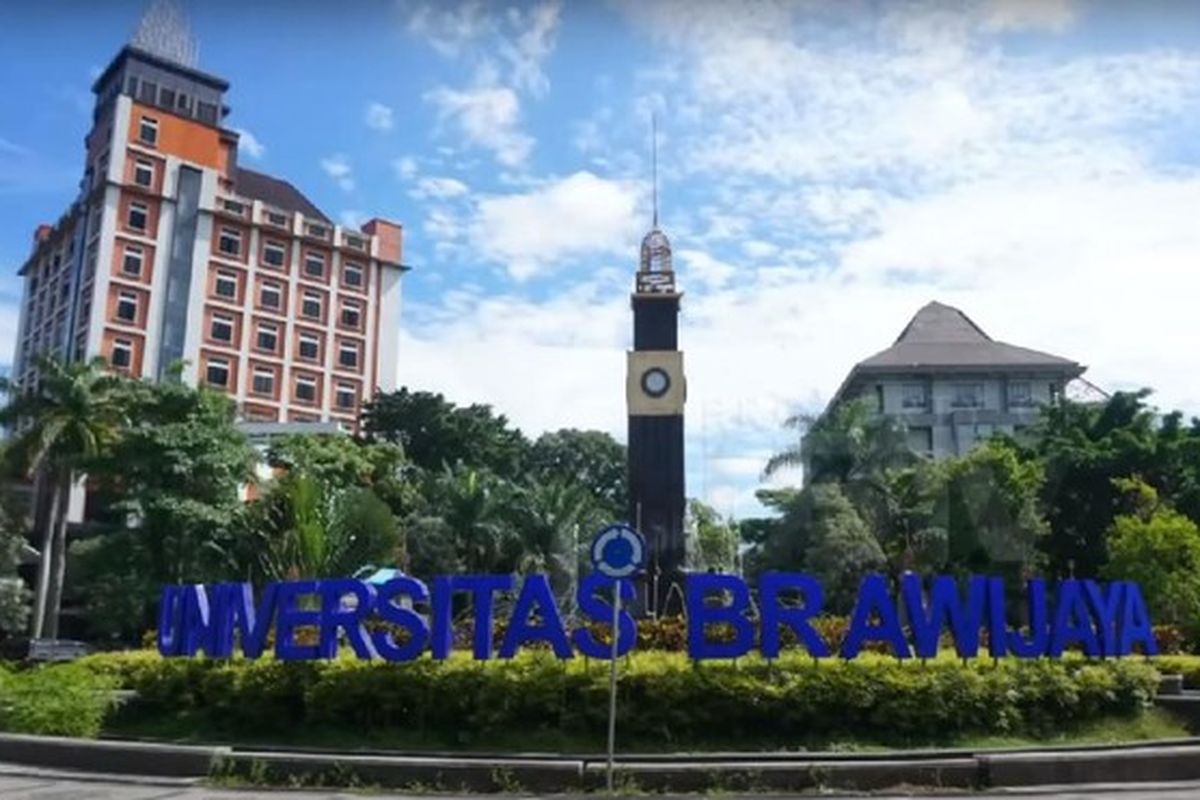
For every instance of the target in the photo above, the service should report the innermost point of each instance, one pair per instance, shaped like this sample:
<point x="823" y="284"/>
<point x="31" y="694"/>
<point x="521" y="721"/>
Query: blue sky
<point x="826" y="169"/>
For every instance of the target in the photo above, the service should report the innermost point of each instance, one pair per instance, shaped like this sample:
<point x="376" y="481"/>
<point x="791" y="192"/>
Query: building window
<point x="920" y="440"/>
<point x="1020" y="394"/>
<point x="184" y="104"/>
<point x="346" y="396"/>
<point x="270" y="295"/>
<point x="264" y="381"/>
<point x="139" y="216"/>
<point x="915" y="396"/>
<point x="352" y="275"/>
<point x="143" y="173"/>
<point x="306" y="389"/>
<point x="226" y="285"/>
<point x="122" y="353"/>
<point x="311" y="307"/>
<point x="274" y="253"/>
<point x="351" y="315"/>
<point x="149" y="92"/>
<point x="206" y="112"/>
<point x="222" y="328"/>
<point x="131" y="86"/>
<point x="314" y="265"/>
<point x="348" y="355"/>
<point x="166" y="98"/>
<point x="968" y="395"/>
<point x="131" y="264"/>
<point x="148" y="131"/>
<point x="127" y="306"/>
<point x="268" y="338"/>
<point x="230" y="242"/>
<point x="310" y="347"/>
<point x="879" y="398"/>
<point x="217" y="372"/>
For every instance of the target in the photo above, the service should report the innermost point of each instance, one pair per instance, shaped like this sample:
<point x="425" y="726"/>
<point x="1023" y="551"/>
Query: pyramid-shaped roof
<point x="942" y="337"/>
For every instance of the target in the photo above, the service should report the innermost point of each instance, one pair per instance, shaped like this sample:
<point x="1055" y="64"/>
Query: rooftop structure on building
<point x="174" y="253"/>
<point x="953" y="385"/>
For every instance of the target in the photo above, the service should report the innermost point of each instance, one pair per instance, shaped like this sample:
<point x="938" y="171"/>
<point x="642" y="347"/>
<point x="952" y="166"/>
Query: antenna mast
<point x="654" y="159"/>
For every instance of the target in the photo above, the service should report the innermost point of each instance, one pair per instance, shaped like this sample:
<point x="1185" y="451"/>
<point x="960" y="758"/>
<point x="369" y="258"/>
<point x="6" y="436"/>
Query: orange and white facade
<point x="173" y="257"/>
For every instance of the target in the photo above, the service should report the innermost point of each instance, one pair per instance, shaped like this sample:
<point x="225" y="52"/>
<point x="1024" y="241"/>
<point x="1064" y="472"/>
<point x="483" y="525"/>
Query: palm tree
<point x="311" y="530"/>
<point x="551" y="514"/>
<point x="66" y="419"/>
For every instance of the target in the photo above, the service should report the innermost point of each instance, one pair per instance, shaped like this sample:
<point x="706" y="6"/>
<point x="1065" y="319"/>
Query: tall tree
<point x="1083" y="448"/>
<point x="71" y="416"/>
<point x="716" y="540"/>
<point x="435" y="432"/>
<point x="171" y="495"/>
<point x="593" y="459"/>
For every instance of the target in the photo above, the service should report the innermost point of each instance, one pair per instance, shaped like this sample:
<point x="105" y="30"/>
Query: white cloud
<point x="378" y="117"/>
<point x="249" y="144"/>
<point x="338" y="167"/>
<point x="531" y="232"/>
<point x="9" y="314"/>
<point x="487" y="117"/>
<point x="12" y="148"/>
<point x="352" y="218"/>
<point x="505" y="53"/>
<point x="405" y="167"/>
<point x="1020" y="15"/>
<point x="532" y="46"/>
<point x="439" y="188"/>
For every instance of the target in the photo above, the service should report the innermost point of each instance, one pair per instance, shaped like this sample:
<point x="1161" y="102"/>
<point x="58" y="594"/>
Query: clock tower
<point x="655" y="391"/>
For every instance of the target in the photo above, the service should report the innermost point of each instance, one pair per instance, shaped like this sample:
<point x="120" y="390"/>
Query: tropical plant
<point x="310" y="530"/>
<point x="1159" y="549"/>
<point x="14" y="599"/>
<point x="70" y="416"/>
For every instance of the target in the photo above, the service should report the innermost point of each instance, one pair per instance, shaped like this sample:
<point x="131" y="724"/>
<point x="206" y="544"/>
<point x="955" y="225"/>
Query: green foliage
<point x="64" y="700"/>
<point x="14" y="598"/>
<point x="170" y="487"/>
<point x="1085" y="447"/>
<point x="1159" y="550"/>
<point x="664" y="697"/>
<point x="434" y="432"/>
<point x="822" y="533"/>
<point x="716" y="539"/>
<point x="338" y="460"/>
<point x="851" y="445"/>
<point x="73" y="415"/>
<point x="590" y="459"/>
<point x="307" y="529"/>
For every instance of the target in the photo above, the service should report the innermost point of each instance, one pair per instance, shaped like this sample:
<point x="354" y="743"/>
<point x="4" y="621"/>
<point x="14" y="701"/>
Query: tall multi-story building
<point x="952" y="385"/>
<point x="173" y="256"/>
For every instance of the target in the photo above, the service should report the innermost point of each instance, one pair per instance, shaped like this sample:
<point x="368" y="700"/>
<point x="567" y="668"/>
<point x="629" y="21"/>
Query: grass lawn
<point x="197" y="729"/>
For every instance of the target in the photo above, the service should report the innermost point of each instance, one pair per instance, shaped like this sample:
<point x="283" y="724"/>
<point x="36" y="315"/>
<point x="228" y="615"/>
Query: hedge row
<point x="664" y="697"/>
<point x="66" y="700"/>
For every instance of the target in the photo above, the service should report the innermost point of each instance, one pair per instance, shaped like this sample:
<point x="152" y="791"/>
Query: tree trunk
<point x="59" y="564"/>
<point x="45" y="512"/>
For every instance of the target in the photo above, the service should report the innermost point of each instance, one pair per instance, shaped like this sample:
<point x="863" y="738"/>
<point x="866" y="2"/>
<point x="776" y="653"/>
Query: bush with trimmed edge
<point x="60" y="700"/>
<point x="664" y="697"/>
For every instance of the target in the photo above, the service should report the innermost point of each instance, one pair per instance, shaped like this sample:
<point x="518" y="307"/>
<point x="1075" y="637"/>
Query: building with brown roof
<point x="952" y="385"/>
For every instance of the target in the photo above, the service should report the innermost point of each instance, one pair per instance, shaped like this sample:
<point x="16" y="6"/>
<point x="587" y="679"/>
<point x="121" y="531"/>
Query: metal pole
<point x="612" y="681"/>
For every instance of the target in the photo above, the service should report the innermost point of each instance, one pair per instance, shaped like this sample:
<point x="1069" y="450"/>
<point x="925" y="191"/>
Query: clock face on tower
<point x="656" y="382"/>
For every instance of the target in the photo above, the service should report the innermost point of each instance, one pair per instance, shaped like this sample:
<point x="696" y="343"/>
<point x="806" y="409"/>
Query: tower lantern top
<point x="656" y="252"/>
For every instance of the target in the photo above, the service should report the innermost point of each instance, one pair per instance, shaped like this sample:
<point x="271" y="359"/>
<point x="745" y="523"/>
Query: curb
<point x="1162" y="762"/>
<point x="108" y="756"/>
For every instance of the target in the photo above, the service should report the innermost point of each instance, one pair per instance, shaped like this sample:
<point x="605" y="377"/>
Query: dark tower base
<point x="657" y="507"/>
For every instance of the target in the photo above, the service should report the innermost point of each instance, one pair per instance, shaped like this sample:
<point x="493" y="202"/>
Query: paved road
<point x="20" y="783"/>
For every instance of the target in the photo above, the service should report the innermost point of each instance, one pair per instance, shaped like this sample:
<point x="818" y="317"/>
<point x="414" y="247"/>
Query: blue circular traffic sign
<point x="618" y="551"/>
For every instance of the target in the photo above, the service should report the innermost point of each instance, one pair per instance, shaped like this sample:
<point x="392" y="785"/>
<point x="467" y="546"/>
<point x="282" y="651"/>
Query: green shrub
<point x="64" y="700"/>
<point x="664" y="697"/>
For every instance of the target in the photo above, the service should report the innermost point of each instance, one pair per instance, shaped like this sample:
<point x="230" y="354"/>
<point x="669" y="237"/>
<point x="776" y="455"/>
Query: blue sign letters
<point x="910" y="618"/>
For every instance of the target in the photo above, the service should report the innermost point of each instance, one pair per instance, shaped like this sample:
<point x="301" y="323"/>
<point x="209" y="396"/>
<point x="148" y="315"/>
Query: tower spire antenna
<point x="654" y="160"/>
<point x="163" y="31"/>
